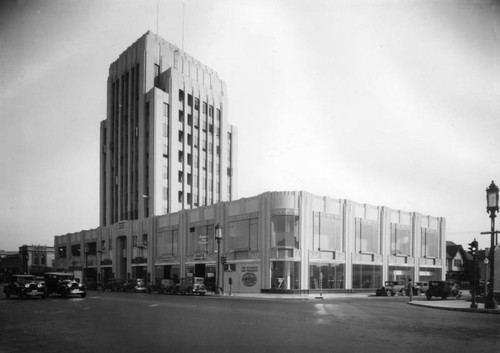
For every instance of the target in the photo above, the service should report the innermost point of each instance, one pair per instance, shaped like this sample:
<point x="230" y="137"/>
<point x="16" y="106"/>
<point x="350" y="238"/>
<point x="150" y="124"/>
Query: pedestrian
<point x="410" y="289"/>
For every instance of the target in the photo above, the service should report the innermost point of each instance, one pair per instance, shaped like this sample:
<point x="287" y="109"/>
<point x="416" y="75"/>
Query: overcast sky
<point x="392" y="103"/>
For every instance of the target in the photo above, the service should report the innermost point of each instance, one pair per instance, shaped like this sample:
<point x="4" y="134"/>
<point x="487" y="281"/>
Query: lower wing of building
<point x="276" y="241"/>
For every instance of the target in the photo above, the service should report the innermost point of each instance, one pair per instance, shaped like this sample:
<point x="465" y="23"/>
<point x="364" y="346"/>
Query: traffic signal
<point x="473" y="248"/>
<point x="223" y="259"/>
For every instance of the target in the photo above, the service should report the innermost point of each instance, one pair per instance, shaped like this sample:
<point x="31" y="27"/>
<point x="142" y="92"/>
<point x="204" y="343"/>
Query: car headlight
<point x="40" y="285"/>
<point x="69" y="285"/>
<point x="26" y="285"/>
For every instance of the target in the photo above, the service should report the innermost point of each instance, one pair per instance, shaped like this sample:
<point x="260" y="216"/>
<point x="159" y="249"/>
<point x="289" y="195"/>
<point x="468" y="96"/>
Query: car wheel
<point x="389" y="293"/>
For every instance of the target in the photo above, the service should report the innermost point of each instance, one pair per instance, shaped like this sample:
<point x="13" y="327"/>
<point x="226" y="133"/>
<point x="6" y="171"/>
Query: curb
<point x="469" y="310"/>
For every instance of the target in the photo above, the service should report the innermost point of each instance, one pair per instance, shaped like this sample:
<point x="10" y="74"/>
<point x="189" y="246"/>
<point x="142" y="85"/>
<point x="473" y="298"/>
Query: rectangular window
<point x="165" y="109"/>
<point x="75" y="250"/>
<point x="168" y="243"/>
<point x="157" y="75"/>
<point x="401" y="240"/>
<point x="326" y="276"/>
<point x="367" y="236"/>
<point x="285" y="231"/>
<point x="243" y="235"/>
<point x="430" y="243"/>
<point x="62" y="252"/>
<point x="200" y="239"/>
<point x="366" y="276"/>
<point x="327" y="232"/>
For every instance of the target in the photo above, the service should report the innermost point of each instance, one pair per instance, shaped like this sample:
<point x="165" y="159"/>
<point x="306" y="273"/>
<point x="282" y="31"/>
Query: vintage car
<point x="420" y="288"/>
<point x="440" y="289"/>
<point x="391" y="288"/>
<point x="137" y="285"/>
<point x="163" y="286"/>
<point x="114" y="285"/>
<point x="191" y="285"/>
<point x="24" y="286"/>
<point x="64" y="284"/>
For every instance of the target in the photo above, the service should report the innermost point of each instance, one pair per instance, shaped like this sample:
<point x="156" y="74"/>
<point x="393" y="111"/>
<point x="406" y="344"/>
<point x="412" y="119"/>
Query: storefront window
<point x="430" y="274"/>
<point x="285" y="231"/>
<point x="285" y="275"/>
<point x="327" y="232"/>
<point x="366" y="276"/>
<point x="401" y="240"/>
<point x="326" y="276"/>
<point x="367" y="236"/>
<point x="400" y="273"/>
<point x="430" y="243"/>
<point x="243" y="235"/>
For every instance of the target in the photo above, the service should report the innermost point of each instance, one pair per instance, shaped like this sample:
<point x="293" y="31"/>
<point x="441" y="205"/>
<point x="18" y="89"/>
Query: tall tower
<point x="166" y="144"/>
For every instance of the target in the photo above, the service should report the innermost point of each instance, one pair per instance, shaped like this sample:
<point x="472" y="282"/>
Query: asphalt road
<point x="125" y="322"/>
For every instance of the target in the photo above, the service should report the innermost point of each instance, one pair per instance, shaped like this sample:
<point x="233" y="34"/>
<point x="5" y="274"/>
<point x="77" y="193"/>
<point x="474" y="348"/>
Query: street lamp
<point x="485" y="275"/>
<point x="492" y="209"/>
<point x="218" y="237"/>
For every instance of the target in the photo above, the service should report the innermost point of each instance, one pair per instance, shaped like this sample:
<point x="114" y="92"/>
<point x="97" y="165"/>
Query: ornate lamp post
<point x="486" y="261"/>
<point x="492" y="209"/>
<point x="218" y="237"/>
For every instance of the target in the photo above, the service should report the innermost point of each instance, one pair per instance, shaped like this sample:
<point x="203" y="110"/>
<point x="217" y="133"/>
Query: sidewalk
<point x="455" y="305"/>
<point x="447" y="304"/>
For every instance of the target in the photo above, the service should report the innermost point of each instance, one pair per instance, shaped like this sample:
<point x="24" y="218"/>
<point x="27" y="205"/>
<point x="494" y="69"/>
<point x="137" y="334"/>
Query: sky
<point x="392" y="102"/>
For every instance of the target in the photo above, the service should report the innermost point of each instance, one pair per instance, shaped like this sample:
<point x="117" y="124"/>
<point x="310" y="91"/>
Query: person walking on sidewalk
<point x="410" y="289"/>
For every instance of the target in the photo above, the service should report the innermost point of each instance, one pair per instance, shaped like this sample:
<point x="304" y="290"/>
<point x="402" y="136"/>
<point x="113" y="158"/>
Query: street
<point x="125" y="322"/>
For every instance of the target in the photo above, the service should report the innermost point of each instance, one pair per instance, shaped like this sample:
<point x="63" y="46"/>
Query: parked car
<point x="391" y="288"/>
<point x="114" y="285"/>
<point x="24" y="286"/>
<point x="64" y="284"/>
<point x="440" y="289"/>
<point x="420" y="288"/>
<point x="163" y="286"/>
<point x="191" y="285"/>
<point x="137" y="285"/>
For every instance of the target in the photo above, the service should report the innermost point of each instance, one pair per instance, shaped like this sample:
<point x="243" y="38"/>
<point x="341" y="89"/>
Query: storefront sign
<point x="200" y="256"/>
<point x="249" y="278"/>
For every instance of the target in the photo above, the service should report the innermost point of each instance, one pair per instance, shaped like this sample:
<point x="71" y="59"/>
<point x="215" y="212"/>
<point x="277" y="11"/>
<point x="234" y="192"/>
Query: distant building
<point x="36" y="259"/>
<point x="166" y="144"/>
<point x="9" y="264"/>
<point x="456" y="262"/>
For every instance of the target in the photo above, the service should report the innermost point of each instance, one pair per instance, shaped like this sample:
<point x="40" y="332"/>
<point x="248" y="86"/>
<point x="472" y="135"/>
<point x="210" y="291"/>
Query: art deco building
<point x="166" y="144"/>
<point x="276" y="241"/>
